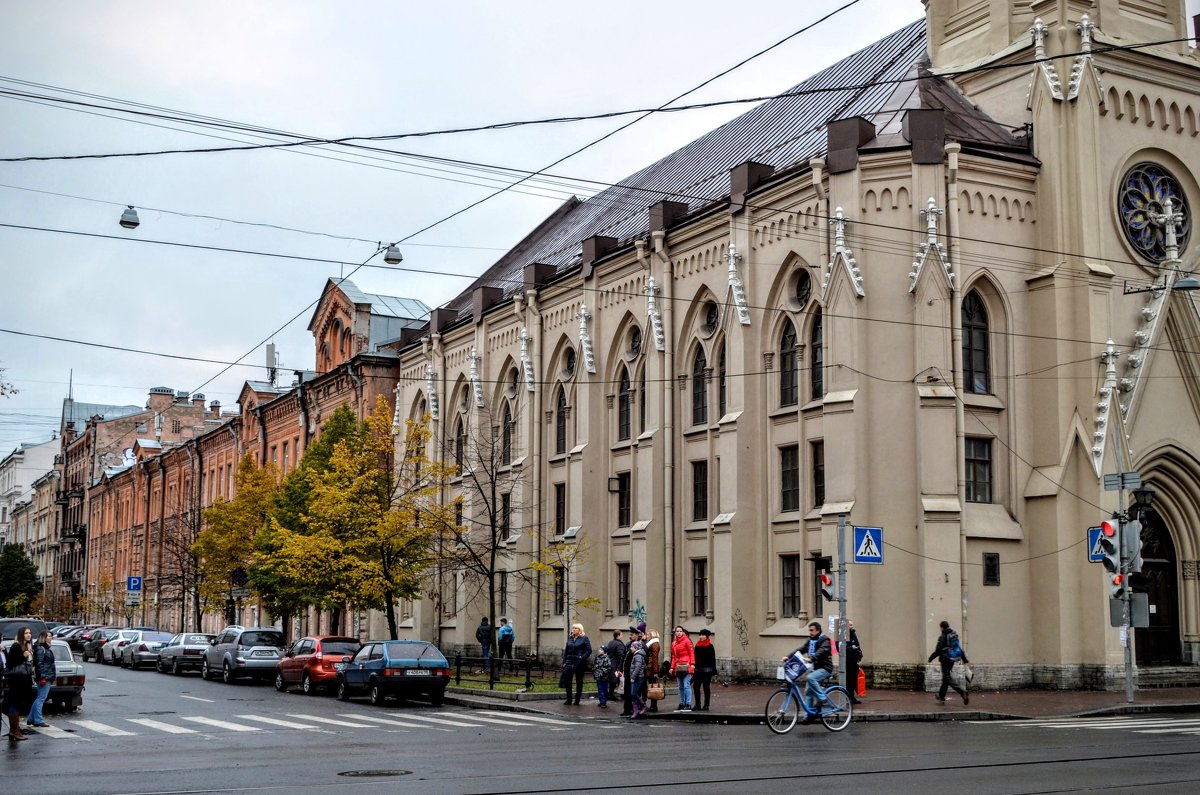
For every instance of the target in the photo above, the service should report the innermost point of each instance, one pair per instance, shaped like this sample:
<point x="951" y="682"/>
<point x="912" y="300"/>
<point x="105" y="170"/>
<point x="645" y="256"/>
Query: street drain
<point x="374" y="773"/>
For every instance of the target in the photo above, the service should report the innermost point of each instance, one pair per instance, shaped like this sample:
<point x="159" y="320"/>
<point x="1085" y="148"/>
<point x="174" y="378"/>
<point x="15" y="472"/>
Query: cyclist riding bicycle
<point x="819" y="654"/>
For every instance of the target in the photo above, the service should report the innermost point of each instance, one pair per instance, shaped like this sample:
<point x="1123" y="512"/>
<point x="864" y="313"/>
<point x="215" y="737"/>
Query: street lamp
<point x="393" y="256"/>
<point x="129" y="218"/>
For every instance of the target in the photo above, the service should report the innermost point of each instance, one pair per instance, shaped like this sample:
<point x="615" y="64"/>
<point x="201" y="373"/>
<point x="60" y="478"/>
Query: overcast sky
<point x="331" y="71"/>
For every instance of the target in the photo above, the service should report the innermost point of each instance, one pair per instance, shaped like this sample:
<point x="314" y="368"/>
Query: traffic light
<point x="826" y="583"/>
<point x="1132" y="538"/>
<point x="1110" y="545"/>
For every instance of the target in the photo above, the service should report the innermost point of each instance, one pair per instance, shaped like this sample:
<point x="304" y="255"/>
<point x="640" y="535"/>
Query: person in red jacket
<point x="683" y="665"/>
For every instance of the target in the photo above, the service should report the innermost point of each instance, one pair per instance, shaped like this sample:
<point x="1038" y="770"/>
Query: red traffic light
<point x="1109" y="528"/>
<point x="1118" y="579"/>
<point x="826" y="580"/>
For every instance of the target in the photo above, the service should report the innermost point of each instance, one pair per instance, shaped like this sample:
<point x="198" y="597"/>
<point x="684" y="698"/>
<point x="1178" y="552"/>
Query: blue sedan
<point x="400" y="668"/>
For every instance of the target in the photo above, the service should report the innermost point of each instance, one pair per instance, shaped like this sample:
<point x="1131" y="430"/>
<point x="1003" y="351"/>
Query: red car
<point x="311" y="661"/>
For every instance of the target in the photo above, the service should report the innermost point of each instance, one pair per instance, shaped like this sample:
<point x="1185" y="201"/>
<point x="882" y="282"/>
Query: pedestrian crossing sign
<point x="868" y="545"/>
<point x="1095" y="553"/>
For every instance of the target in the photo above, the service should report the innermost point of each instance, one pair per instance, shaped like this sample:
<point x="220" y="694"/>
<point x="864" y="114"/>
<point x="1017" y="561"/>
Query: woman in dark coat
<point x="706" y="669"/>
<point x="19" y="673"/>
<point x="575" y="662"/>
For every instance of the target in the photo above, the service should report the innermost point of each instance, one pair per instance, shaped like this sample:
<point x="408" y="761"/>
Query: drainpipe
<point x="817" y="164"/>
<point x="358" y="386"/>
<point x="667" y="408"/>
<point x="145" y="556"/>
<point x="162" y="513"/>
<point x="533" y="317"/>
<point x="956" y="351"/>
<point x="262" y="436"/>
<point x="432" y="347"/>
<point x="302" y="399"/>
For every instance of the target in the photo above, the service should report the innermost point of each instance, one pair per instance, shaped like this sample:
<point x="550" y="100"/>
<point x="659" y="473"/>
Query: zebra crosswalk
<point x="73" y="728"/>
<point x="1141" y="724"/>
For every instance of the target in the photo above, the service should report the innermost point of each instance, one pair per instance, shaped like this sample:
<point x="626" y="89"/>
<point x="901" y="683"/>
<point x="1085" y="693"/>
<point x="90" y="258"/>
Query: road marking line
<point x="55" y="732"/>
<point x="104" y="728"/>
<point x="162" y="727"/>
<point x="103" y="679"/>
<point x="196" y="698"/>
<point x="389" y="722"/>
<point x="277" y="722"/>
<point x="500" y="721"/>
<point x="220" y="724"/>
<point x="534" y="718"/>
<point x="443" y="721"/>
<point x="331" y="721"/>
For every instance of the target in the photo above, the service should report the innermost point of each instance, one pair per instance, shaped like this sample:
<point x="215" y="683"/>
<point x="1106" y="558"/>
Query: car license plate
<point x="417" y="672"/>
<point x="263" y="654"/>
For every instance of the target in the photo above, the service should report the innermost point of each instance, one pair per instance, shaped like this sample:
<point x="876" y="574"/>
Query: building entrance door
<point x="1158" y="644"/>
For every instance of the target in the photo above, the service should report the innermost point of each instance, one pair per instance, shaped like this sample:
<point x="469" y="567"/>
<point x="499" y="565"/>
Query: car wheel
<point x="227" y="675"/>
<point x="158" y="666"/>
<point x="436" y="699"/>
<point x="280" y="685"/>
<point x="204" y="669"/>
<point x="343" y="692"/>
<point x="377" y="695"/>
<point x="175" y="669"/>
<point x="307" y="686"/>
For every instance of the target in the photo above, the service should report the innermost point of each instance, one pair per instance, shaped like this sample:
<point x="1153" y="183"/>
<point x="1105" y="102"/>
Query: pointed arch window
<point x="722" y="393"/>
<point x="789" y="376"/>
<point x="976" y="353"/>
<point x="460" y="443"/>
<point x="699" y="390"/>
<point x="624" y="401"/>
<point x="560" y="423"/>
<point x="506" y="436"/>
<point x="817" y="349"/>
<point x="641" y="402"/>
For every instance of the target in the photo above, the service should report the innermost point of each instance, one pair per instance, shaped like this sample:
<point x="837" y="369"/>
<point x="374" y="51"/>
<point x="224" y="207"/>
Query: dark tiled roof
<point x="782" y="132"/>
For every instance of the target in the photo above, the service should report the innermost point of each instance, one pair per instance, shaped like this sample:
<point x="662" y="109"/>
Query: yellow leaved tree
<point x="371" y="520"/>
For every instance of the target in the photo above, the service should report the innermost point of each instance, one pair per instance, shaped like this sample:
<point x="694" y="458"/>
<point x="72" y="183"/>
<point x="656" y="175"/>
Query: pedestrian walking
<point x="505" y="637"/>
<point x="683" y="665"/>
<point x="44" y="673"/>
<point x="854" y="656"/>
<point x="637" y="672"/>
<point x="948" y="651"/>
<point x="706" y="669"/>
<point x="483" y="634"/>
<point x="602" y="672"/>
<point x="19" y="674"/>
<point x="635" y="633"/>
<point x="653" y="665"/>
<point x="575" y="662"/>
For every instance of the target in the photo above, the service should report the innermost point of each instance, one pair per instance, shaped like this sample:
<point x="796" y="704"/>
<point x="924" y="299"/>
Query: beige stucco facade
<point x="858" y="268"/>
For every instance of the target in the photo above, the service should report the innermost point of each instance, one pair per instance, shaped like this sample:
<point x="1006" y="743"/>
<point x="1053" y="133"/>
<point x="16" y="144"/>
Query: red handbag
<point x="862" y="683"/>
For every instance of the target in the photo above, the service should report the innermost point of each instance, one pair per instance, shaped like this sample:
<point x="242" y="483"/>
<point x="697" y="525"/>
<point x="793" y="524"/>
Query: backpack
<point x="953" y="646"/>
<point x="601" y="666"/>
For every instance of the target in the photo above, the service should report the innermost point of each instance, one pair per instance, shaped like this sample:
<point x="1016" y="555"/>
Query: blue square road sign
<point x="868" y="545"/>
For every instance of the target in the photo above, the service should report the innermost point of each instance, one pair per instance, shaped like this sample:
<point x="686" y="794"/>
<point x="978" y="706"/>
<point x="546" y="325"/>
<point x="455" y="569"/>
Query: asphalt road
<point x="145" y="732"/>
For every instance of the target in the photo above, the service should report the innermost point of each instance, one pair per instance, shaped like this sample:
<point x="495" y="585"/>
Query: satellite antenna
<point x="272" y="363"/>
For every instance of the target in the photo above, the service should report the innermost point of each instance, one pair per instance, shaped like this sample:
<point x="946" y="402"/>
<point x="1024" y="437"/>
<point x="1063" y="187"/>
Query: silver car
<point x="110" y="652"/>
<point x="142" y="648"/>
<point x="243" y="652"/>
<point x="184" y="652"/>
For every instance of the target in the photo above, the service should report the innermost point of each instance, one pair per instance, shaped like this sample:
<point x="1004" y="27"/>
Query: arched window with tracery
<point x="624" y="400"/>
<point x="506" y="436"/>
<point x="722" y="391"/>
<point x="789" y="376"/>
<point x="699" y="388"/>
<point x="976" y="353"/>
<point x="560" y="422"/>
<point x="460" y="443"/>
<point x="817" y="353"/>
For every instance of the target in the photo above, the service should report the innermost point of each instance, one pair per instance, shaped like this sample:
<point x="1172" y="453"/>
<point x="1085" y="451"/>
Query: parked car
<point x="112" y="647"/>
<point x="93" y="639"/>
<point x="142" y="648"/>
<point x="400" y="668"/>
<point x="66" y="694"/>
<point x="9" y="627"/>
<point x="240" y="652"/>
<point x="61" y="629"/>
<point x="311" y="662"/>
<point x="183" y="652"/>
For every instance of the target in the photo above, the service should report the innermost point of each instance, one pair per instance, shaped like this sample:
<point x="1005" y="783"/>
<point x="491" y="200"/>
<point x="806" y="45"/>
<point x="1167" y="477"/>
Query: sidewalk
<point x="744" y="703"/>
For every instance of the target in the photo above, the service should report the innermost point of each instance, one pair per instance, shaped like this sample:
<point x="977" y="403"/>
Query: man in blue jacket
<point x="505" y="636"/>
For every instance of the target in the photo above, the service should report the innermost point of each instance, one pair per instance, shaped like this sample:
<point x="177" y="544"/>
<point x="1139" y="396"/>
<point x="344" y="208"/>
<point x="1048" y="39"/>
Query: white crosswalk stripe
<point x="150" y="723"/>
<point x="419" y="721"/>
<point x="221" y="724"/>
<point x="1137" y="724"/>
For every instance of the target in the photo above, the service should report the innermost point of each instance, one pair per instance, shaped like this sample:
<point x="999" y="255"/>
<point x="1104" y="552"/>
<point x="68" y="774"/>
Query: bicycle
<point x="785" y="704"/>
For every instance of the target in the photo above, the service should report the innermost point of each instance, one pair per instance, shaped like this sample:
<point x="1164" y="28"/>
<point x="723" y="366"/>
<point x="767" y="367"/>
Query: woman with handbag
<point x="683" y="665"/>
<point x="19" y="673"/>
<point x="706" y="669"/>
<point x="653" y="665"/>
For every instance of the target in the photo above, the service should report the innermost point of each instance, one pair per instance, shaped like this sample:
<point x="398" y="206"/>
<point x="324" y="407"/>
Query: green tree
<point x="278" y="572"/>
<point x="371" y="519"/>
<point x="226" y="543"/>
<point x="19" y="583"/>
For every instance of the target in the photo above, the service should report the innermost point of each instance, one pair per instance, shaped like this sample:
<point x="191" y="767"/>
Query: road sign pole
<point x="841" y="633"/>
<point x="1118" y="428"/>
